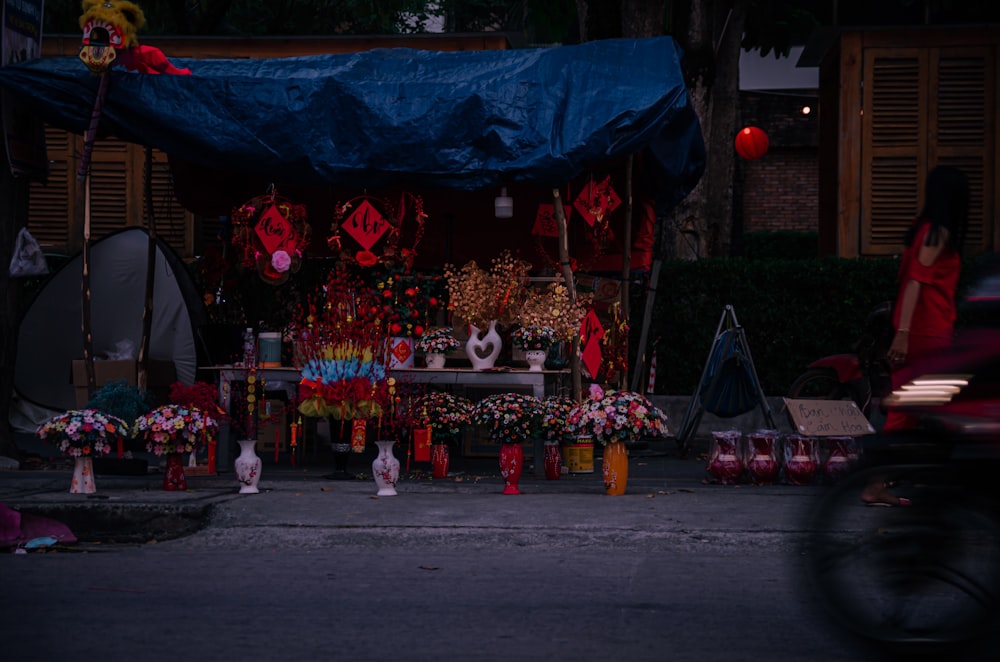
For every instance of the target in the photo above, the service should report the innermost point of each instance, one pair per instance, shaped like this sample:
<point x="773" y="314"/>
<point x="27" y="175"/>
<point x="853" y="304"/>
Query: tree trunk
<point x="710" y="34"/>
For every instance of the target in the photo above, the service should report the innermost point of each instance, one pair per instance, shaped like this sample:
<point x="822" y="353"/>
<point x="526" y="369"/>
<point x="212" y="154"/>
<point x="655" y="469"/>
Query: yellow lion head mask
<point x="108" y="25"/>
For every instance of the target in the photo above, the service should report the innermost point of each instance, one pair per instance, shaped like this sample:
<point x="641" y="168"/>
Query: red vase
<point x="762" y="457"/>
<point x="439" y="460"/>
<point x="801" y="460"/>
<point x="724" y="463"/>
<point x="173" y="476"/>
<point x="843" y="455"/>
<point x="552" y="460"/>
<point x="511" y="464"/>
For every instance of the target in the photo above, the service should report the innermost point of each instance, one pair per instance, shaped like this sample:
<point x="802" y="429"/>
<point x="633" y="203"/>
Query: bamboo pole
<point x="83" y="191"/>
<point x="147" y="303"/>
<point x="626" y="264"/>
<point x="567" y="272"/>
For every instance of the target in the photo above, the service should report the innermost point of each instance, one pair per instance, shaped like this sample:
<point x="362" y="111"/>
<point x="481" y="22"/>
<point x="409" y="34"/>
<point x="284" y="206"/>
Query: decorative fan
<point x="272" y="235"/>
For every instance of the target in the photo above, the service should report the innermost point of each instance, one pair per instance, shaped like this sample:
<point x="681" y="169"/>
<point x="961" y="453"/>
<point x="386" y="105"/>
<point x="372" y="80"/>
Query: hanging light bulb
<point x="503" y="205"/>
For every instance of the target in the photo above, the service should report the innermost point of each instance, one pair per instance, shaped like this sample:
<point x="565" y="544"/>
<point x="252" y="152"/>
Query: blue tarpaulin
<point x="462" y="120"/>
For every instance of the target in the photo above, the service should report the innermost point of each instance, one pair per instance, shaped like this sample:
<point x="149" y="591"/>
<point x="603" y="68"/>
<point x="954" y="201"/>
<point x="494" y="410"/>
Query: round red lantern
<point x="751" y="143"/>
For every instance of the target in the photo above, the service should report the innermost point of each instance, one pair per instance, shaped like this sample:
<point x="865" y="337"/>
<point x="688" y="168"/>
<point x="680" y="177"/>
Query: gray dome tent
<point x="50" y="337"/>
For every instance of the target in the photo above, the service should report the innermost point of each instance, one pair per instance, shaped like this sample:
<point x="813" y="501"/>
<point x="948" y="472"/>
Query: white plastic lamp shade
<point x="503" y="205"/>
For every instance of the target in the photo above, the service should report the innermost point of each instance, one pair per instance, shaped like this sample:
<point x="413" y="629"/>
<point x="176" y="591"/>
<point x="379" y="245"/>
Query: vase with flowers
<point x="556" y="308"/>
<point x="510" y="419"/>
<point x="171" y="431"/>
<point x="612" y="418"/>
<point x="535" y="341"/>
<point x="84" y="434"/>
<point x="486" y="300"/>
<point x="555" y="430"/>
<point x="446" y="414"/>
<point x="435" y="344"/>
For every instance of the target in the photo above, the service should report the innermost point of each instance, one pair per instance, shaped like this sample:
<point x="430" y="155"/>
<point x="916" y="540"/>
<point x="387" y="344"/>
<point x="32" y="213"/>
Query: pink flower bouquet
<point x="617" y="416"/>
<point x="84" y="432"/>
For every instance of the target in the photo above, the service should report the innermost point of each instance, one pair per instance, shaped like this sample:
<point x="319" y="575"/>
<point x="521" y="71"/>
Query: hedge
<point x="792" y="310"/>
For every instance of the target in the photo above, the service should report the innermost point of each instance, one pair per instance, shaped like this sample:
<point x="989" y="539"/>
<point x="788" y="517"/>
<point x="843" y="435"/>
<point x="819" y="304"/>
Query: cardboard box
<point x="160" y="375"/>
<point x="273" y="418"/>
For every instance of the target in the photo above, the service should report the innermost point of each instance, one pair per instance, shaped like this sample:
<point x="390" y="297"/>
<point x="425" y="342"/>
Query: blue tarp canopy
<point x="462" y="120"/>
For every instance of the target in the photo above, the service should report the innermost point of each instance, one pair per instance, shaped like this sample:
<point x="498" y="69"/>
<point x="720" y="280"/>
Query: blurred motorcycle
<point x="923" y="579"/>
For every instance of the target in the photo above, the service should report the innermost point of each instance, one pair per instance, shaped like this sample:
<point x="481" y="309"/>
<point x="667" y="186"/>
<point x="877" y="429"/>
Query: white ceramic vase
<point x="535" y="359"/>
<point x="247" y="466"/>
<point x="83" y="476"/>
<point x="385" y="468"/>
<point x="483" y="351"/>
<point x="435" y="360"/>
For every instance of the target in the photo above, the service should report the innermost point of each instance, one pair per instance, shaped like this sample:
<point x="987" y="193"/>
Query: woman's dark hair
<point x="946" y="205"/>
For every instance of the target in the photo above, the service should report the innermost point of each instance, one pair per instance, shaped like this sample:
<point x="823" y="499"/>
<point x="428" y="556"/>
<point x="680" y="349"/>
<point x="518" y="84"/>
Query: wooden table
<point x="286" y="378"/>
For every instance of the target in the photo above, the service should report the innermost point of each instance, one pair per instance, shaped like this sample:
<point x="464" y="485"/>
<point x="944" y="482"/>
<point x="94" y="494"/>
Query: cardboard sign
<point x="828" y="418"/>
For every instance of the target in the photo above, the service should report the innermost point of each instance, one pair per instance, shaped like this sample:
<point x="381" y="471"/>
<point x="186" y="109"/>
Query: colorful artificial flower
<point x="438" y="341"/>
<point x="510" y="417"/>
<point x="555" y="419"/>
<point x="84" y="432"/>
<point x="281" y="261"/>
<point x="445" y="412"/>
<point x="173" y="429"/>
<point x="366" y="258"/>
<point x="533" y="337"/>
<point x="617" y="416"/>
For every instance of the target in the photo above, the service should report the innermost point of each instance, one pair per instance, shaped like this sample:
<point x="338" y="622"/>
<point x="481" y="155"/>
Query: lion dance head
<point x="108" y="25"/>
<point x="109" y="37"/>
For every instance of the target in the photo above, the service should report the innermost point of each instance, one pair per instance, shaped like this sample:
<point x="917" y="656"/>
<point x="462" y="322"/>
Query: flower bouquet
<point x="438" y="341"/>
<point x="510" y="417"/>
<point x="173" y="429"/>
<point x="84" y="432"/>
<point x="480" y="297"/>
<point x="617" y="416"/>
<point x="555" y="419"/>
<point x="446" y="413"/>
<point x="533" y="337"/>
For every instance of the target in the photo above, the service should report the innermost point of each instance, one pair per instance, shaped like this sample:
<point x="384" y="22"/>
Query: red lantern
<point x="751" y="143"/>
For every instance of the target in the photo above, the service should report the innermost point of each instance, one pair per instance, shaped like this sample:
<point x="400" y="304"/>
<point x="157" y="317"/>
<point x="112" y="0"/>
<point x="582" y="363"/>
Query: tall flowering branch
<point x="479" y="296"/>
<point x="344" y="349"/>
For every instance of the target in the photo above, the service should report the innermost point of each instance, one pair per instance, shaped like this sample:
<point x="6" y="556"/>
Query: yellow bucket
<point x="579" y="456"/>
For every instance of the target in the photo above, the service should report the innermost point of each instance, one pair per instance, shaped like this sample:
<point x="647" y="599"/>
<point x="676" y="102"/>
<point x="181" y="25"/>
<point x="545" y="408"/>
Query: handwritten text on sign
<point x="828" y="418"/>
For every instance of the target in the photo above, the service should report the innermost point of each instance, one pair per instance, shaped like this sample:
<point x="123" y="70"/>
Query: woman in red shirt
<point x="924" y="313"/>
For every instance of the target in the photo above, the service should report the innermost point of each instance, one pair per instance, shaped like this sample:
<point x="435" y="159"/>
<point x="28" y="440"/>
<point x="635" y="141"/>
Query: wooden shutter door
<point x="894" y="120"/>
<point x="962" y="121"/>
<point x="924" y="108"/>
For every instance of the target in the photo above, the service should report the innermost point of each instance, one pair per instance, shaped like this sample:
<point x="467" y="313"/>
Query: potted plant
<point x="553" y="308"/>
<point x="486" y="299"/>
<point x="435" y="344"/>
<point x="535" y="341"/>
<point x="510" y="418"/>
<point x="446" y="414"/>
<point x="555" y="430"/>
<point x="613" y="417"/>
<point x="84" y="434"/>
<point x="172" y="430"/>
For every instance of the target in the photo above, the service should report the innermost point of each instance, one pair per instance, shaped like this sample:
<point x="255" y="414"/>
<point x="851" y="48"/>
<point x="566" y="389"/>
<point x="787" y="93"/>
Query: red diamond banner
<point x="546" y="224"/>
<point x="592" y="356"/>
<point x="597" y="201"/>
<point x="591" y="328"/>
<point x="366" y="225"/>
<point x="273" y="229"/>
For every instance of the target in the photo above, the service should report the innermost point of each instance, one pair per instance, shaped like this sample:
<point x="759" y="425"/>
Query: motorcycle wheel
<point x="911" y="581"/>
<point x="819" y="384"/>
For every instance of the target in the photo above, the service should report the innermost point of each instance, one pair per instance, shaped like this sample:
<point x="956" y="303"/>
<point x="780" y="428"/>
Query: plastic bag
<point x="124" y="351"/>
<point x="28" y="259"/>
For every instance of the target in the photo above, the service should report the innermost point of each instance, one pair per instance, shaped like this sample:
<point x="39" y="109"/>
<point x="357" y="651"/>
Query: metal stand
<point x="730" y="340"/>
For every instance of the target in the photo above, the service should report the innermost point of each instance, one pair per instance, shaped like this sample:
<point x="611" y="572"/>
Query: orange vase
<point x="614" y="466"/>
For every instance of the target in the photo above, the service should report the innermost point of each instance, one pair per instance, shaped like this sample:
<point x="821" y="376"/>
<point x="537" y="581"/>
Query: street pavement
<point x="670" y="502"/>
